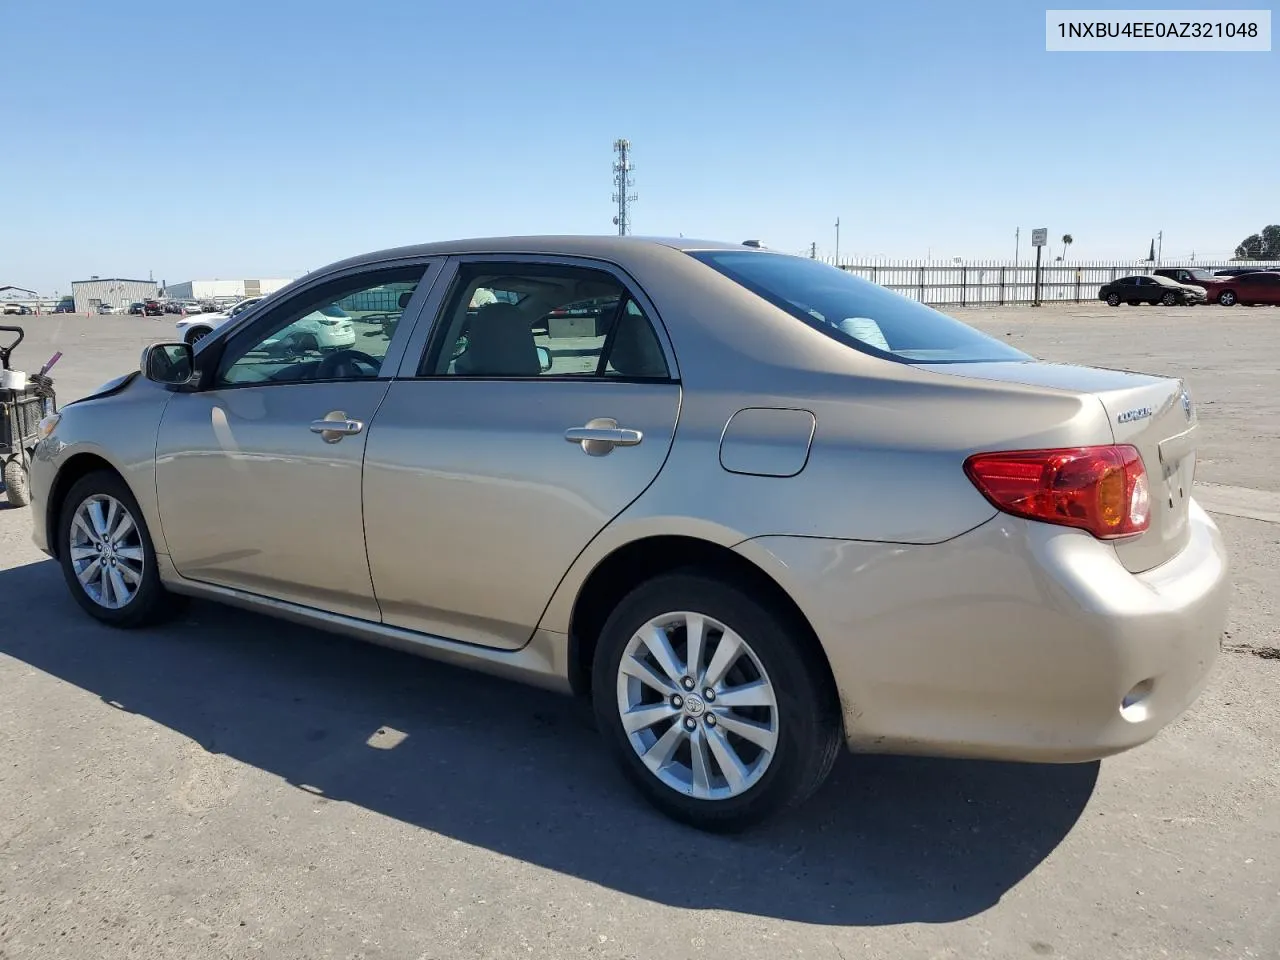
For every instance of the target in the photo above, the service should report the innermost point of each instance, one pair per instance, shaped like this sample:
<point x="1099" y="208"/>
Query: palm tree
<point x="1067" y="241"/>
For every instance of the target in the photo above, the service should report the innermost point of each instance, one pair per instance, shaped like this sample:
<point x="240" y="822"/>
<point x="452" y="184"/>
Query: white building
<point x="118" y="292"/>
<point x="223" y="289"/>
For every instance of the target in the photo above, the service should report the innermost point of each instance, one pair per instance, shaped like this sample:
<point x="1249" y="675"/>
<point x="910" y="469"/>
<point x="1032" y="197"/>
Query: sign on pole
<point x="1039" y="236"/>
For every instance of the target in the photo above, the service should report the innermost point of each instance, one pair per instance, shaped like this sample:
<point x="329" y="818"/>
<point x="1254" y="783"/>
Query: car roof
<point x="583" y="245"/>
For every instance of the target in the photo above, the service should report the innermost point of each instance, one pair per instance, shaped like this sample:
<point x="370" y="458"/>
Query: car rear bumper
<point x="1015" y="641"/>
<point x="338" y="338"/>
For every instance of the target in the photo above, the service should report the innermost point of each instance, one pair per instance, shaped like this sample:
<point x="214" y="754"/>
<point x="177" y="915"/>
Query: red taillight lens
<point x="1099" y="489"/>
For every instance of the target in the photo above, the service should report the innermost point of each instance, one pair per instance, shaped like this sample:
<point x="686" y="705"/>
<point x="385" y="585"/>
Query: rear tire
<point x="713" y="778"/>
<point x="100" y="522"/>
<point x="17" y="484"/>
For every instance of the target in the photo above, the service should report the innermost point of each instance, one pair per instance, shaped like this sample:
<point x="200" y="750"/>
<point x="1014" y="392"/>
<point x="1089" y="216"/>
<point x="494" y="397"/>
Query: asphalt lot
<point x="230" y="786"/>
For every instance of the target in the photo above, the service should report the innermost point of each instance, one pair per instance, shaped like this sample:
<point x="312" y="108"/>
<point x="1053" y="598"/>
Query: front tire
<point x="107" y="556"/>
<point x="196" y="334"/>
<point x="713" y="706"/>
<point x="1113" y="299"/>
<point x="1169" y="299"/>
<point x="1227" y="298"/>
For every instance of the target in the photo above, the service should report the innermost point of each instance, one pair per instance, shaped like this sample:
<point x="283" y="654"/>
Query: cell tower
<point x="621" y="183"/>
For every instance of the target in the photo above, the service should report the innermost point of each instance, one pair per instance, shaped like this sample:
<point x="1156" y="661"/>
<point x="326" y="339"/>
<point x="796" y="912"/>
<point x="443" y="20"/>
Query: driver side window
<point x="339" y="331"/>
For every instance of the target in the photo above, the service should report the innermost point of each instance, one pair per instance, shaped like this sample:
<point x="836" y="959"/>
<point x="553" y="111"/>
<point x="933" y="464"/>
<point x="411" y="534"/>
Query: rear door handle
<point x="601" y="435"/>
<point x="335" y="426"/>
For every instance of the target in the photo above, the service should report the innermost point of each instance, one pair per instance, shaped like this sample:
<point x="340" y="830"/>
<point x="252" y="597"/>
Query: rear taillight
<point x="1099" y="489"/>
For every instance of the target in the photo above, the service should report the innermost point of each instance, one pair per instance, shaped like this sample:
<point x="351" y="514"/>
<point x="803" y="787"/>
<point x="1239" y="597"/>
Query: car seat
<point x="500" y="344"/>
<point x="635" y="351"/>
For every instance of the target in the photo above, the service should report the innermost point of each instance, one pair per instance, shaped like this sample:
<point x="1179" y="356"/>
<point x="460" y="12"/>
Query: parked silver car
<point x="753" y="506"/>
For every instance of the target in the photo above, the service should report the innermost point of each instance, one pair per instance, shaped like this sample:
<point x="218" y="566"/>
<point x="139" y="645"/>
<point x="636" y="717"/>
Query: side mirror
<point x="544" y="359"/>
<point x="169" y="363"/>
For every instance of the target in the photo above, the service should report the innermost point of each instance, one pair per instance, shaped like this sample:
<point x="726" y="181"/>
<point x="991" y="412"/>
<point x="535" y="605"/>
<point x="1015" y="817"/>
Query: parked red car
<point x="152" y="308"/>
<point x="1250" y="289"/>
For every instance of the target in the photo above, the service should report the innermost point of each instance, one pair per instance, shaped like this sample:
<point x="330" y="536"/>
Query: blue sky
<point x="266" y="138"/>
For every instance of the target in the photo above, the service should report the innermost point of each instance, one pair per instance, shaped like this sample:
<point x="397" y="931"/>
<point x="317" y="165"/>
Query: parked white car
<point x="328" y="328"/>
<point x="199" y="325"/>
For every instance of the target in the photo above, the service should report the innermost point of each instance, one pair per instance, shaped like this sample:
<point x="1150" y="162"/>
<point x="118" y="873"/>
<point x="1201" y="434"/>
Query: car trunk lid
<point x="1154" y="414"/>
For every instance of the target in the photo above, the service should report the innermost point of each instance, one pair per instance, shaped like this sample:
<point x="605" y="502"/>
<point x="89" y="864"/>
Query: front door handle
<point x="335" y="426"/>
<point x="601" y="435"/>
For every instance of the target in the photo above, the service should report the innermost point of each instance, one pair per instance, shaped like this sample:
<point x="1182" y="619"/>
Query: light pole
<point x="837" y="241"/>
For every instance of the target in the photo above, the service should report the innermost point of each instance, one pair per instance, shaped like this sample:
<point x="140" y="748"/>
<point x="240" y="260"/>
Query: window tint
<point x="337" y="332"/>
<point x="856" y="312"/>
<point x="527" y="320"/>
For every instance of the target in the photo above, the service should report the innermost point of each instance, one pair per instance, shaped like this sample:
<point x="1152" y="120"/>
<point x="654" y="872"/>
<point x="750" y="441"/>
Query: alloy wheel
<point x="106" y="551"/>
<point x="697" y="706"/>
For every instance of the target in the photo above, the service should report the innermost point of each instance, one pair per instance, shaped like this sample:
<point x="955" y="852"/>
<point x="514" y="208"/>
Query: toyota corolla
<point x="755" y="508"/>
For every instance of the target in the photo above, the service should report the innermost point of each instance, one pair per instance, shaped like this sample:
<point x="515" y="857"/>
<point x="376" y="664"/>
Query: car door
<point x="517" y="430"/>
<point x="1271" y="289"/>
<point x="1260" y="288"/>
<point x="258" y="469"/>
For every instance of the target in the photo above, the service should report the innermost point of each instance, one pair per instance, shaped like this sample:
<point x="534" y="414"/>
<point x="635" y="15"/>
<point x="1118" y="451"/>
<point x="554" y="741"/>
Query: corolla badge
<point x="1129" y="416"/>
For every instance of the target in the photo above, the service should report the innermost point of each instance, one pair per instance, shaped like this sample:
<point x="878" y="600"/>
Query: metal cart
<point x="20" y="414"/>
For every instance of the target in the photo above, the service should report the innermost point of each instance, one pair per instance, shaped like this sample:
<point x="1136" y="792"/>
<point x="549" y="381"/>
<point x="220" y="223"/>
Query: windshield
<point x="856" y="312"/>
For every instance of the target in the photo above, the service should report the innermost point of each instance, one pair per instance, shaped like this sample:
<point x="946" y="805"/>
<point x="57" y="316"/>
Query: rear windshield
<point x="856" y="312"/>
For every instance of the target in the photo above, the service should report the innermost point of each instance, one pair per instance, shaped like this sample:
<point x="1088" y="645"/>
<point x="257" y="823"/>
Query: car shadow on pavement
<point x="520" y="771"/>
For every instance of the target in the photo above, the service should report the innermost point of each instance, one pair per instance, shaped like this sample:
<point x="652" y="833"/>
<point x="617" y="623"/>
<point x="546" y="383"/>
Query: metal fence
<point x="995" y="282"/>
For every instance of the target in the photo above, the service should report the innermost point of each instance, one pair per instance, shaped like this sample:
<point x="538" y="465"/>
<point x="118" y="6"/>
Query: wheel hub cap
<point x="106" y="551"/>
<point x="697" y="706"/>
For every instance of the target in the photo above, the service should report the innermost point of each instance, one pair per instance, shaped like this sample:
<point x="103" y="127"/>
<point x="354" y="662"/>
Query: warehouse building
<point x="116" y="291"/>
<point x="222" y="289"/>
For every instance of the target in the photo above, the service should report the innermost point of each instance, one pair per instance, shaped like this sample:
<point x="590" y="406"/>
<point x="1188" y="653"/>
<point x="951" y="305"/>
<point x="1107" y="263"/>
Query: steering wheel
<point x="345" y="364"/>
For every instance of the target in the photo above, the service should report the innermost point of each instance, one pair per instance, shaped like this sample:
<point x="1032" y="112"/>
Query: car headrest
<point x="501" y="343"/>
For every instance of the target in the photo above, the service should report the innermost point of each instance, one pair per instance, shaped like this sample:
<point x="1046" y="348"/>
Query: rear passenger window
<point x="524" y="321"/>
